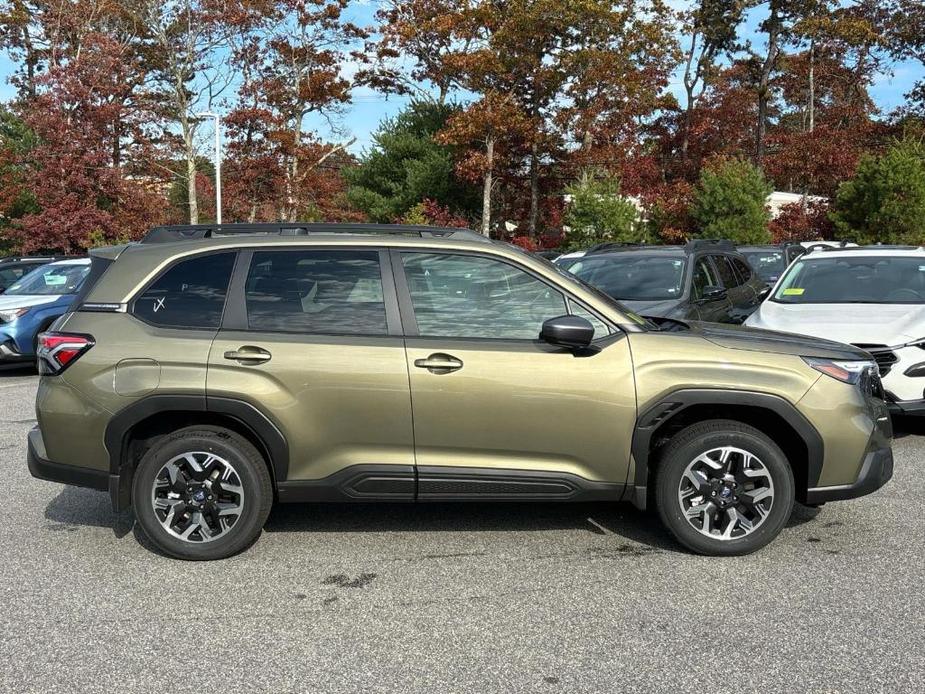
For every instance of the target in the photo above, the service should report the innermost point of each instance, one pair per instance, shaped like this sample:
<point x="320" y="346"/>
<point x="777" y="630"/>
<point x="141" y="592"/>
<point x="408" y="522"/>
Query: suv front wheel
<point x="724" y="488"/>
<point x="202" y="493"/>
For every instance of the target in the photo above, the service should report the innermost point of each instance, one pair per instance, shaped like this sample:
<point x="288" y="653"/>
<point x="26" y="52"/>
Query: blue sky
<point x="368" y="108"/>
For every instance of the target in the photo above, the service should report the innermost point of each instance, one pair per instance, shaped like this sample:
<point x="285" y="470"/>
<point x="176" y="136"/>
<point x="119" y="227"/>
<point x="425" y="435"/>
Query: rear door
<point x="740" y="296"/>
<point x="312" y="338"/>
<point x="497" y="412"/>
<point x="715" y="310"/>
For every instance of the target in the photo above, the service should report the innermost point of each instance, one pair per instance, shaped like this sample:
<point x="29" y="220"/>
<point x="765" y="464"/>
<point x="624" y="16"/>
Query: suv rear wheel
<point x="724" y="488"/>
<point x="202" y="493"/>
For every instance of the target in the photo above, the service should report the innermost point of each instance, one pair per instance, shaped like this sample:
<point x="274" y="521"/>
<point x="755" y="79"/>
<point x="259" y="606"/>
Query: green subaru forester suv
<point x="206" y="373"/>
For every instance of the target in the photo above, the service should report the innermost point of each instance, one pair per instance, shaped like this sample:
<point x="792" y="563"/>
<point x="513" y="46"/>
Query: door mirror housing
<point x="571" y="332"/>
<point x="712" y="293"/>
<point x="763" y="294"/>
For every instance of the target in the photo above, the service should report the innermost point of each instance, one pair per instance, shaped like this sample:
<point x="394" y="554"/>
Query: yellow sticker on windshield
<point x="793" y="291"/>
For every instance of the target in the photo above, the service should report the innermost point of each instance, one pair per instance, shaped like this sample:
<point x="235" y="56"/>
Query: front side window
<point x="600" y="328"/>
<point x="632" y="277"/>
<point x="872" y="279"/>
<point x="191" y="294"/>
<point x="704" y="277"/>
<point x="50" y="280"/>
<point x="316" y="292"/>
<point x="476" y="297"/>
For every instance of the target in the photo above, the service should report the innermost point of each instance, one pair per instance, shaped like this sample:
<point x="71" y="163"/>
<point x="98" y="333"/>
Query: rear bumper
<point x="876" y="470"/>
<point x="42" y="468"/>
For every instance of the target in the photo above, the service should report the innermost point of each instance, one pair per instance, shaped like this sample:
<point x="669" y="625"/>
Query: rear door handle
<point x="439" y="363"/>
<point x="248" y="354"/>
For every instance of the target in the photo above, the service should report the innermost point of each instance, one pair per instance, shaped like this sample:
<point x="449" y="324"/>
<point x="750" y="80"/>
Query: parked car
<point x="770" y="261"/>
<point x="702" y="280"/>
<point x="14" y="267"/>
<point x="872" y="297"/>
<point x="33" y="302"/>
<point x="566" y="260"/>
<point x="199" y="381"/>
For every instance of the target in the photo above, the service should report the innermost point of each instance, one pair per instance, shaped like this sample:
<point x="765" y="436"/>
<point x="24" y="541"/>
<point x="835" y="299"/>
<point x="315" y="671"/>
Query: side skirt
<point x="369" y="483"/>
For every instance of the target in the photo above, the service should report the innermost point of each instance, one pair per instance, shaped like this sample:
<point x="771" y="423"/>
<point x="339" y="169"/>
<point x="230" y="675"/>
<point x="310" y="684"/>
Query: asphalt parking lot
<point x="462" y="598"/>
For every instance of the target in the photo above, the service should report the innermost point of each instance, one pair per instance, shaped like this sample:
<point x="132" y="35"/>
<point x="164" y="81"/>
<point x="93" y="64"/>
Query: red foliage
<point x="83" y="122"/>
<point x="798" y="223"/>
<point x="441" y="216"/>
<point x="527" y="243"/>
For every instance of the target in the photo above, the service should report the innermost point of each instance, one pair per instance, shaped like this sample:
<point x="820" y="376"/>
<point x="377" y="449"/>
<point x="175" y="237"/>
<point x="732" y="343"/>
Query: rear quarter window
<point x="191" y="294"/>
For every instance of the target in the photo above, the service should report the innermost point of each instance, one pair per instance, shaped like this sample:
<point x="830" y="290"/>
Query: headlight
<point x="844" y="371"/>
<point x="9" y="314"/>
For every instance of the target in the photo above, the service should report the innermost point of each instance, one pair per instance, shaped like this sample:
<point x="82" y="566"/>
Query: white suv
<point x="872" y="297"/>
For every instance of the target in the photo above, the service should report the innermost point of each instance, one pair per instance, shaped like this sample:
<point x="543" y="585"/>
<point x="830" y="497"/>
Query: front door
<point x="497" y="412"/>
<point x="312" y="338"/>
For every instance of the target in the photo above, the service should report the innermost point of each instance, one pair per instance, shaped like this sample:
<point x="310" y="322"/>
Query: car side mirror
<point x="714" y="293"/>
<point x="763" y="294"/>
<point x="571" y="332"/>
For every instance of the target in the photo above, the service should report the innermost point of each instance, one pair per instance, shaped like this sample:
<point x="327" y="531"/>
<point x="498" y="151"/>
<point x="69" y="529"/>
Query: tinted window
<point x="320" y="292"/>
<point x="742" y="270"/>
<point x="10" y="274"/>
<point x="704" y="276"/>
<point x="726" y="274"/>
<point x="191" y="294"/>
<point x="633" y="277"/>
<point x="468" y="296"/>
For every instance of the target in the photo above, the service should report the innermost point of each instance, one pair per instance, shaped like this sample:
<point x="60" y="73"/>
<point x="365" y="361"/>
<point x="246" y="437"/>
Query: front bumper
<point x="876" y="470"/>
<point x="909" y="407"/>
<point x="10" y="353"/>
<point x="44" y="469"/>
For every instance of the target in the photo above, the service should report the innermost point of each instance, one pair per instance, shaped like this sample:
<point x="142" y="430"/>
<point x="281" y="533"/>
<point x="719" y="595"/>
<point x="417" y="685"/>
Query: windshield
<point x="862" y="280"/>
<point x="633" y="277"/>
<point x="50" y="280"/>
<point x="768" y="264"/>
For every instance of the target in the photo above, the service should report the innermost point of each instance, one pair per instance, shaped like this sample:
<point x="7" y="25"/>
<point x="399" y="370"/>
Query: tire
<point x="228" y="499"/>
<point x="754" y="480"/>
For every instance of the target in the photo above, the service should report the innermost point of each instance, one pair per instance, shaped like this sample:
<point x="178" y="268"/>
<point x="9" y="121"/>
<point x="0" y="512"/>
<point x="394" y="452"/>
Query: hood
<point x="657" y="309"/>
<point x="871" y="324"/>
<point x="753" y="339"/>
<point x="24" y="300"/>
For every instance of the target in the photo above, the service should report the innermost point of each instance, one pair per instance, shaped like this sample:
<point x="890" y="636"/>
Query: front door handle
<point x="248" y="354"/>
<point x="439" y="363"/>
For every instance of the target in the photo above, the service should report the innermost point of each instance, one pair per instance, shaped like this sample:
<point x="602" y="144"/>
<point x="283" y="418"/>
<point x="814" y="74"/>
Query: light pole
<point x="218" y="161"/>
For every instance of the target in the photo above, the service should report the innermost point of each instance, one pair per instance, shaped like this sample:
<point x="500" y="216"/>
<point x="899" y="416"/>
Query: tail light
<point x="57" y="351"/>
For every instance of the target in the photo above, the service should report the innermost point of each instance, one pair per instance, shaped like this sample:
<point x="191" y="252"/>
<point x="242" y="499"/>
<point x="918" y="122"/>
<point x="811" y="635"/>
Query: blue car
<point x="32" y="303"/>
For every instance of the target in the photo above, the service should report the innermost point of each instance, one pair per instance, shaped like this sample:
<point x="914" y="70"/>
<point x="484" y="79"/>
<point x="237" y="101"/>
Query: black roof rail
<point x="191" y="232"/>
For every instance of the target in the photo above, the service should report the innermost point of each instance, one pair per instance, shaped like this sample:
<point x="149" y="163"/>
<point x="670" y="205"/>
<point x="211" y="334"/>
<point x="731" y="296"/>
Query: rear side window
<point x="743" y="270"/>
<point x="191" y="294"/>
<point x="726" y="274"/>
<point x="316" y="292"/>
